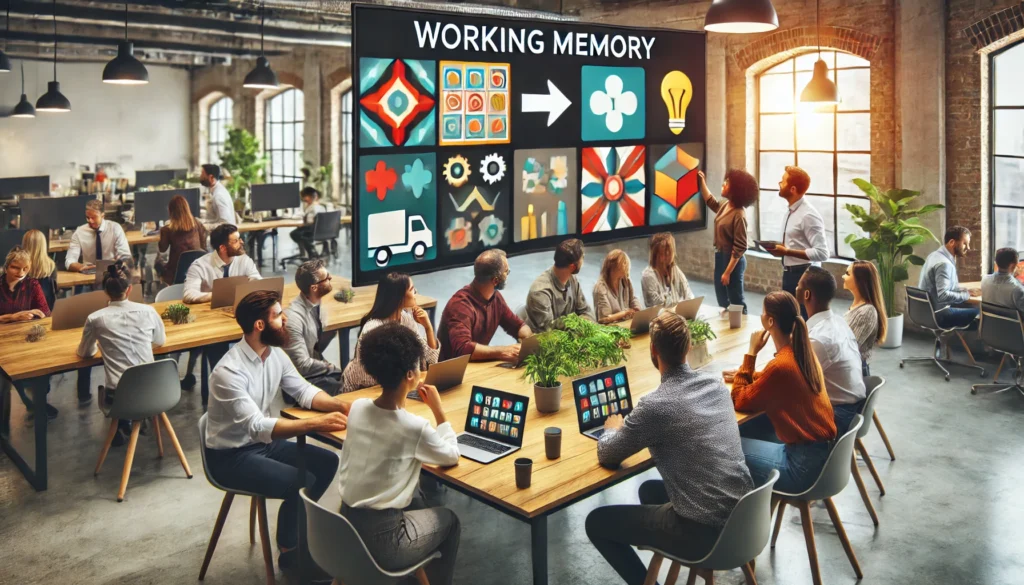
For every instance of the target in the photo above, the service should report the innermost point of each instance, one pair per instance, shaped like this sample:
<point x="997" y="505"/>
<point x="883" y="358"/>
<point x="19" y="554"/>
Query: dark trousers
<point x="732" y="294"/>
<point x="303" y="238"/>
<point x="271" y="470"/>
<point x="614" y="530"/>
<point x="790" y="278"/>
<point x="844" y="414"/>
<point x="956" y="316"/>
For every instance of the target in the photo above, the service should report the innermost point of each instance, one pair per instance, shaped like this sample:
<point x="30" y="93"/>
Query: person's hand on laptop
<point x="613" y="422"/>
<point x="509" y="353"/>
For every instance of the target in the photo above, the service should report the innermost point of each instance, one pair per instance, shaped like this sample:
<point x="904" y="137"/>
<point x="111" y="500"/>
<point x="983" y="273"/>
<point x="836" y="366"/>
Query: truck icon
<point x="390" y="233"/>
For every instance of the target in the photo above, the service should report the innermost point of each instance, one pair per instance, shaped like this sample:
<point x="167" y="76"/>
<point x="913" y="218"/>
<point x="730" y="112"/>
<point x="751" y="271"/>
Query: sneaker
<point x="188" y="383"/>
<point x="83" y="402"/>
<point x="51" y="413"/>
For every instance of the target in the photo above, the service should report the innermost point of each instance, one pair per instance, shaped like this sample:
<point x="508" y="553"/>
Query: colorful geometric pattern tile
<point x="544" y="198"/>
<point x="676" y="193"/>
<point x="475" y="190"/>
<point x="396" y="102"/>
<point x="613" y="191"/>
<point x="613" y="103"/>
<point x="475" y="103"/>
<point x="397" y="209"/>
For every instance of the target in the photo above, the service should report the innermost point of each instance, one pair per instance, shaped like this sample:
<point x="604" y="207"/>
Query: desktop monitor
<point x="159" y="177"/>
<point x="152" y="205"/>
<point x="44" y="213"/>
<point x="274" y="196"/>
<point x="11" y="238"/>
<point x="11" y="187"/>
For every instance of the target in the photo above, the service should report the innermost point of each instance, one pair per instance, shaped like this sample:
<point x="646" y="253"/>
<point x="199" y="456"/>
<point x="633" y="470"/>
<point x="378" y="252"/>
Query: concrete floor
<point x="952" y="512"/>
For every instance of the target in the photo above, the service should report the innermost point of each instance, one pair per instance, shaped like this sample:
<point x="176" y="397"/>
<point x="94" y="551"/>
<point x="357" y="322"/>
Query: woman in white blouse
<point x="384" y="450"/>
<point x="395" y="302"/>
<point x="866" y="317"/>
<point x="614" y="299"/>
<point x="663" y="283"/>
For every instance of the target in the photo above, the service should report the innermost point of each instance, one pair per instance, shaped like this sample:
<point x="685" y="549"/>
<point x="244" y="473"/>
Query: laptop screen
<point x="497" y="415"/>
<point x="600" y="395"/>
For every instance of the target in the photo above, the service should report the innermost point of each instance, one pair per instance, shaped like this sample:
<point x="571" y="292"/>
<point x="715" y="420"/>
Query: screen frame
<point x="270" y="191"/>
<point x="576" y="398"/>
<point x="495" y="436"/>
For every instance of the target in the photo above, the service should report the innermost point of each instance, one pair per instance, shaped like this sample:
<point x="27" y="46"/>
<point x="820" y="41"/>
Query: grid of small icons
<point x="500" y="416"/>
<point x="601" y="397"/>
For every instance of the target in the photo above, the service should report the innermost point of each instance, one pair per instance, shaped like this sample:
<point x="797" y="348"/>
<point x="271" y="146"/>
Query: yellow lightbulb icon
<point x="676" y="91"/>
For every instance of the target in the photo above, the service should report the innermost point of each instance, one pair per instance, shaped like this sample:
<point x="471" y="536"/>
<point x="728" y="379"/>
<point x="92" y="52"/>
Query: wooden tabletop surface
<point x="68" y="279"/>
<point x="576" y="473"/>
<point x="56" y="352"/>
<point x="137" y="237"/>
<point x="974" y="300"/>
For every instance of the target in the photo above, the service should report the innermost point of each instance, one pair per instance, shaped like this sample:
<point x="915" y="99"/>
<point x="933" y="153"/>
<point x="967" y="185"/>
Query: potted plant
<point x="245" y="165"/>
<point x="700" y="334"/>
<point x="893" y="231"/>
<point x="319" y="178"/>
<point x="552" y="361"/>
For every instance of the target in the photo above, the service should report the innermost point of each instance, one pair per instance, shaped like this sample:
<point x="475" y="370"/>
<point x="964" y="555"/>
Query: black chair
<point x="1002" y="330"/>
<point x="326" y="228"/>
<point x="184" y="261"/>
<point x="921" y="311"/>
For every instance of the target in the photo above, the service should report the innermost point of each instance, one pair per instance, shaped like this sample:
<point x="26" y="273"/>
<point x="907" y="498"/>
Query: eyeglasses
<point x="326" y="279"/>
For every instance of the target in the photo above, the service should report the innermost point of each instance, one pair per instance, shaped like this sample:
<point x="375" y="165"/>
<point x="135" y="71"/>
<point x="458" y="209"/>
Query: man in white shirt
<point x="311" y="206"/>
<point x="834" y="344"/>
<point x="803" y="230"/>
<point x="939" y="278"/>
<point x="306" y="321"/>
<point x="1001" y="287"/>
<point x="227" y="259"/>
<point x="98" y="239"/>
<point x="246" y="446"/>
<point x="219" y="207"/>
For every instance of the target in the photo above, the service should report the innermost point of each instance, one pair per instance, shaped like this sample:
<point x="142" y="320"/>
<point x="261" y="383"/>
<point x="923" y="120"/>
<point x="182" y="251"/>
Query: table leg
<point x="539" y="549"/>
<point x="204" y="375"/>
<point x="343" y="347"/>
<point x="36" y="478"/>
<point x="430" y="313"/>
<point x="300" y="442"/>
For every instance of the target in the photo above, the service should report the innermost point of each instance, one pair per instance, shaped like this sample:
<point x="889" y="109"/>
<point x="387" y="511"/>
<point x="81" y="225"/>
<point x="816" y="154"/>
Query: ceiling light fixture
<point x="24" y="109"/>
<point x="741" y="16"/>
<point x="820" y="90"/>
<point x="125" y="69"/>
<point x="5" y="63"/>
<point x="262" y="76"/>
<point x="53" y="100"/>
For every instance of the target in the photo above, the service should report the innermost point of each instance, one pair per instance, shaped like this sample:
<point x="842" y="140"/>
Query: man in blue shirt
<point x="938" y="277"/>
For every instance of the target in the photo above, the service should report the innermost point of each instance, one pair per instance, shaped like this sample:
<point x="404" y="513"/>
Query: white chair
<point x="873" y="384"/>
<point x="175" y="292"/>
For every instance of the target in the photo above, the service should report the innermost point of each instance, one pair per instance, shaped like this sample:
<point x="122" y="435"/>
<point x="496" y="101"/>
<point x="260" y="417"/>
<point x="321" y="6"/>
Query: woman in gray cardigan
<point x="614" y="298"/>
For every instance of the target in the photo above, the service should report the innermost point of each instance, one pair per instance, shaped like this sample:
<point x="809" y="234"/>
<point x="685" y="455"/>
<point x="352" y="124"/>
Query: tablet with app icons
<point x="599" y="396"/>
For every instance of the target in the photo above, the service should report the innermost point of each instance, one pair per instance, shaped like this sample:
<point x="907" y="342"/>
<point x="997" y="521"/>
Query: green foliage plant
<point x="243" y="161"/>
<point x="179" y="313"/>
<point x="700" y="331"/>
<point x="576" y="344"/>
<point x="319" y="178"/>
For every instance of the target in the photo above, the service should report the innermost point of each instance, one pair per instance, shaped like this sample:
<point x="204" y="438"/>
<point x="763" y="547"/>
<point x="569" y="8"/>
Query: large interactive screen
<point x="477" y="132"/>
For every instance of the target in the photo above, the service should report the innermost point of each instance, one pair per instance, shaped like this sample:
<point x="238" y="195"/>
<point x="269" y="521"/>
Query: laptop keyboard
<point x="597" y="433"/>
<point x="482" y="444"/>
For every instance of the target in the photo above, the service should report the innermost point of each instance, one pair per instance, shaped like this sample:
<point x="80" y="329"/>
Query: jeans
<point x="791" y="278"/>
<point x="844" y="414"/>
<point x="398" y="539"/>
<point x="732" y="294"/>
<point x="303" y="238"/>
<point x="956" y="316"/>
<point x="271" y="470"/>
<point x="865" y="369"/>
<point x="799" y="464"/>
<point x="614" y="530"/>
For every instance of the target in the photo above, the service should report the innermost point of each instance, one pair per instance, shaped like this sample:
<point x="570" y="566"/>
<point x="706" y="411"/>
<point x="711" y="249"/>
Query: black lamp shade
<point x="262" y="76"/>
<point x="24" y="109"/>
<point x="741" y="16"/>
<point x="125" y="69"/>
<point x="5" y="63"/>
<point x="53" y="100"/>
<point x="820" y="89"/>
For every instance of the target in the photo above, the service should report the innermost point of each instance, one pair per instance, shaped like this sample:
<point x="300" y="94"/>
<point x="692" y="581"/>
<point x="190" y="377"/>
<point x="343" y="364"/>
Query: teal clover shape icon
<point x="416" y="177"/>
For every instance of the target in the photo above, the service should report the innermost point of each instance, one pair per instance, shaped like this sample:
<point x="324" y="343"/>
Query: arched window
<point x="833" y="146"/>
<point x="221" y="114"/>
<point x="1007" y="168"/>
<point x="283" y="135"/>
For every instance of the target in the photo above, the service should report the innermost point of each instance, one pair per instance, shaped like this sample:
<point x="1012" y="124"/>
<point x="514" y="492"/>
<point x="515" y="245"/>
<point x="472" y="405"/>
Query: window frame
<point x="992" y="108"/>
<point x="270" y="149"/>
<point x="216" y="123"/>
<point x="346" y="147"/>
<point x="835" y="196"/>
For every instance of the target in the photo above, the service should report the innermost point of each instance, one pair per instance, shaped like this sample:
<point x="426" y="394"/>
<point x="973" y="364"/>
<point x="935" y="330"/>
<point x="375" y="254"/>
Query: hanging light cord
<point x="22" y="77"/>
<point x="126" y="21"/>
<point x="817" y="24"/>
<point x="263" y="20"/>
<point x="55" y="40"/>
<point x="7" y="24"/>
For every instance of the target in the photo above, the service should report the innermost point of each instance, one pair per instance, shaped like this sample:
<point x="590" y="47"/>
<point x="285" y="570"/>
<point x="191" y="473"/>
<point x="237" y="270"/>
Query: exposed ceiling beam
<point x="142" y="45"/>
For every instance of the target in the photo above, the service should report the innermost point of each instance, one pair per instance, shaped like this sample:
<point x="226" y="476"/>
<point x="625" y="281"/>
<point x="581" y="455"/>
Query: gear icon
<point x="456" y="171"/>
<point x="492" y="168"/>
<point x="492" y="230"/>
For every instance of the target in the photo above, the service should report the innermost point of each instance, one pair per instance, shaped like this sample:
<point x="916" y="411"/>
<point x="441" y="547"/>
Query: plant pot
<point x="547" y="399"/>
<point x="699" y="356"/>
<point x="894" y="334"/>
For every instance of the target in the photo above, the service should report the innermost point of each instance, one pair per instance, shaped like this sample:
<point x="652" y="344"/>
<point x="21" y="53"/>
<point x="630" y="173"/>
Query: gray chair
<point x="834" y="477"/>
<point x="257" y="509"/>
<point x="921" y="311"/>
<point x="339" y="550"/>
<point x="741" y="540"/>
<point x="184" y="261"/>
<point x="145" y="392"/>
<point x="326" y="228"/>
<point x="873" y="384"/>
<point x="175" y="292"/>
<point x="1002" y="329"/>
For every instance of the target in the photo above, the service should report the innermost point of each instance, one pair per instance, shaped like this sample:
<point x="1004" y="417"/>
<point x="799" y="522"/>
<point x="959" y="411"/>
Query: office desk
<point x="136" y="237"/>
<point x="32" y="364"/>
<point x="974" y="300"/>
<point x="68" y="279"/>
<point x="573" y="477"/>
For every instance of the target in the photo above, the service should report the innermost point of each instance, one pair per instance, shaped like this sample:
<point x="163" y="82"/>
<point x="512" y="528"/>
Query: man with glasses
<point x="305" y="327"/>
<point x="476" y="311"/>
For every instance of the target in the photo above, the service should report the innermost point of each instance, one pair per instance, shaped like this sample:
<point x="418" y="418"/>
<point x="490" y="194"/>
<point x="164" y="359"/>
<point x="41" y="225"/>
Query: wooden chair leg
<point x="673" y="573"/>
<point x="106" y="445"/>
<point x="834" y="514"/>
<point x="421" y="577"/>
<point x="885" y="438"/>
<point x="812" y="551"/>
<point x="967" y="348"/>
<point x="129" y="457"/>
<point x="652" y="569"/>
<point x="217" y="528"/>
<point x="177" y="446"/>
<point x="709" y="577"/>
<point x="863" y="490"/>
<point x="252" y="520"/>
<point x="999" y="369"/>
<point x="159" y="439"/>
<point x="748" y="574"/>
<point x="268" y="557"/>
<point x="871" y="466"/>
<point x="778" y="521"/>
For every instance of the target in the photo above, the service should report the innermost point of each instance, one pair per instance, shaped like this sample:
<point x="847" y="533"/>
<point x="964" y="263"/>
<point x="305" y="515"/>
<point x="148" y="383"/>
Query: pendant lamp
<point x="741" y="16"/>
<point x="820" y="90"/>
<point x="262" y="76"/>
<point x="24" y="109"/>
<point x="53" y="100"/>
<point x="5" y="63"/>
<point x="125" y="69"/>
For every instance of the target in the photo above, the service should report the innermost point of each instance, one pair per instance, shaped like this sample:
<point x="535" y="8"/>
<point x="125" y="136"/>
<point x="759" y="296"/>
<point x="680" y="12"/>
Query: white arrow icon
<point x="554" y="102"/>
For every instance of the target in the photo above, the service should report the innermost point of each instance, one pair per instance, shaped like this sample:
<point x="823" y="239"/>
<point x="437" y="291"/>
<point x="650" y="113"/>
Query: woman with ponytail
<point x="791" y="392"/>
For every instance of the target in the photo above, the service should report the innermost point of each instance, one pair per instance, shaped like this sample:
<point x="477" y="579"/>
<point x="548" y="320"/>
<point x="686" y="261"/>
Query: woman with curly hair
<point x="739" y="191"/>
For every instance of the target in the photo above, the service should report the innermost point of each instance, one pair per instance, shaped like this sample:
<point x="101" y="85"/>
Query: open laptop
<point x="528" y="347"/>
<point x="275" y="284"/>
<point x="71" y="312"/>
<point x="101" y="270"/>
<point x="444" y="375"/>
<point x="224" y="291"/>
<point x="642" y="319"/>
<point x="599" y="396"/>
<point x="690" y="308"/>
<point x="495" y="423"/>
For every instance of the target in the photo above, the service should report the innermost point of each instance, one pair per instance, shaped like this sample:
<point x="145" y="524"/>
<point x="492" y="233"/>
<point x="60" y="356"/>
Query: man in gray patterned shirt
<point x="689" y="425"/>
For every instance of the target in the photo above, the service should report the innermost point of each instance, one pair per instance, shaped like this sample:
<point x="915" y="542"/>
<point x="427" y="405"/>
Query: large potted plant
<point x="700" y="334"/>
<point x="245" y="165"/>
<point x="893" y="231"/>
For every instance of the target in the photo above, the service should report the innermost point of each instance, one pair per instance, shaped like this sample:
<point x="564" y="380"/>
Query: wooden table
<point x="68" y="279"/>
<point x="556" y="484"/>
<point x="137" y="237"/>
<point x="32" y="364"/>
<point x="974" y="300"/>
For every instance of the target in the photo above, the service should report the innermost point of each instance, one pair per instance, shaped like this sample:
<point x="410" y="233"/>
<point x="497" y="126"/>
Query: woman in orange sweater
<point x="791" y="392"/>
